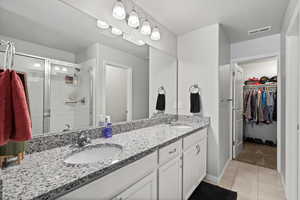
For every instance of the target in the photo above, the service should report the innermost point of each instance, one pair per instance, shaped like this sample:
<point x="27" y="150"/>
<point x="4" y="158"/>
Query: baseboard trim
<point x="211" y="179"/>
<point x="223" y="170"/>
<point x="283" y="184"/>
<point x="217" y="179"/>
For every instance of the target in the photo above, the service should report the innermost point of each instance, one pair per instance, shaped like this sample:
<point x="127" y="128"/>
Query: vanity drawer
<point x="171" y="151"/>
<point x="194" y="138"/>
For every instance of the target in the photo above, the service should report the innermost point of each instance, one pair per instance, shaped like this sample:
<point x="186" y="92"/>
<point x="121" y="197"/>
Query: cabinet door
<point x="191" y="169"/>
<point x="170" y="180"/>
<point x="203" y="158"/>
<point x="144" y="189"/>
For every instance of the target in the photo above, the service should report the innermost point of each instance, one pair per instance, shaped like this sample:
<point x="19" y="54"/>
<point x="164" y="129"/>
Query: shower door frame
<point x="47" y="88"/>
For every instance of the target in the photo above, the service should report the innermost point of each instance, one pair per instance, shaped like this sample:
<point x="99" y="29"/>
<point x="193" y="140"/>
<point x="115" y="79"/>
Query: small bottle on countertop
<point x="107" y="130"/>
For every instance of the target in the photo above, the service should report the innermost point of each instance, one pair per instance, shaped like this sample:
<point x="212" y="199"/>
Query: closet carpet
<point x="258" y="154"/>
<point x="207" y="191"/>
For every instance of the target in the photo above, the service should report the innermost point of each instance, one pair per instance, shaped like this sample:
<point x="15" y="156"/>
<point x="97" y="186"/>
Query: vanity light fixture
<point x="116" y="31"/>
<point x="133" y="19"/>
<point x="119" y="11"/>
<point x="155" y="35"/>
<point x="102" y="24"/>
<point x="146" y="28"/>
<point x="64" y="69"/>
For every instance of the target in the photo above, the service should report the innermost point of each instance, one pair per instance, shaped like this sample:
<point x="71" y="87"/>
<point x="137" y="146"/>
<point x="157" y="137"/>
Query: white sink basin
<point x="180" y="126"/>
<point x="95" y="153"/>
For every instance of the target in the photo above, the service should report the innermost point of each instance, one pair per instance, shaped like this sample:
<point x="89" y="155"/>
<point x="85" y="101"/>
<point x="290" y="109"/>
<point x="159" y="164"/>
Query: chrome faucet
<point x="67" y="127"/>
<point x="83" y="140"/>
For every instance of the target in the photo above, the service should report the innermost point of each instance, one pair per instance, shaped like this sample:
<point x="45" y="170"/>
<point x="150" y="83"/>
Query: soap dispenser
<point x="107" y="130"/>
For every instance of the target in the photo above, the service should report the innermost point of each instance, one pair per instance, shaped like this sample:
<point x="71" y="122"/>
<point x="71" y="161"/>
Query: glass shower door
<point x="69" y="97"/>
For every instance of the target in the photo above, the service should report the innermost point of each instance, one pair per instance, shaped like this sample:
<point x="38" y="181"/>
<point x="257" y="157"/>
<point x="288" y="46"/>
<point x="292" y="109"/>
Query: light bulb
<point x="133" y="19"/>
<point x="116" y="31"/>
<point x="102" y="24"/>
<point x="57" y="68"/>
<point x="155" y="35"/>
<point x="119" y="11"/>
<point x="64" y="69"/>
<point x="146" y="28"/>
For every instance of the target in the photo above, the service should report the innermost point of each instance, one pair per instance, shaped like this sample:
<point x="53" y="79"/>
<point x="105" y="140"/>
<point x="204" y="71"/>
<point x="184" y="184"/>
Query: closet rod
<point x="260" y="86"/>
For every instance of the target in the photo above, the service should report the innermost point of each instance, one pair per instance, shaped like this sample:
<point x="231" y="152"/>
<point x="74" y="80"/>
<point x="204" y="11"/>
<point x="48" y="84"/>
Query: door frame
<point x="279" y="85"/>
<point x="233" y="119"/>
<point x="129" y="87"/>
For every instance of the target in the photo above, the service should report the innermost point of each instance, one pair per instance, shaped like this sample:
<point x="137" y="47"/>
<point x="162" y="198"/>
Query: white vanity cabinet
<point x="144" y="189"/>
<point x="194" y="161"/>
<point x="124" y="179"/>
<point x="170" y="172"/>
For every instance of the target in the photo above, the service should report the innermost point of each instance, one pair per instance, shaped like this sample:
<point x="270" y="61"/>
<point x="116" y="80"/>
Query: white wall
<point x="288" y="170"/>
<point x="39" y="50"/>
<point x="162" y="72"/>
<point x="256" y="47"/>
<point x="140" y="80"/>
<point x="259" y="68"/>
<point x="224" y="94"/>
<point x="198" y="55"/>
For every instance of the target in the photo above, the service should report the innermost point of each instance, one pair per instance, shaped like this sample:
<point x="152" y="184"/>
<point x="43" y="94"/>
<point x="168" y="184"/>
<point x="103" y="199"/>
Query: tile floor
<point x="252" y="182"/>
<point x="258" y="154"/>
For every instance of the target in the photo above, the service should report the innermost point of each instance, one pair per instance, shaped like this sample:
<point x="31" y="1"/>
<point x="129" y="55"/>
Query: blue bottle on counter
<point x="107" y="130"/>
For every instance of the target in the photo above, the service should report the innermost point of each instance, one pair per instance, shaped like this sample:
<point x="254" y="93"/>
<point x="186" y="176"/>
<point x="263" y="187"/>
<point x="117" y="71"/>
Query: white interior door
<point x="237" y="110"/>
<point x="116" y="91"/>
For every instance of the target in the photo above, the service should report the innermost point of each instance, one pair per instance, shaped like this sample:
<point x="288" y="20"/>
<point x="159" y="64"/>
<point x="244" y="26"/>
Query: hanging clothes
<point x="260" y="105"/>
<point x="6" y="116"/>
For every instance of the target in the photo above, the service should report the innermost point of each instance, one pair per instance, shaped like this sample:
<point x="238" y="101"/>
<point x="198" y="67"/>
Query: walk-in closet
<point x="256" y="90"/>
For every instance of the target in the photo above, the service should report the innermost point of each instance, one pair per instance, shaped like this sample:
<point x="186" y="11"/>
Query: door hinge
<point x="297" y="127"/>
<point x="233" y="73"/>
<point x="233" y="143"/>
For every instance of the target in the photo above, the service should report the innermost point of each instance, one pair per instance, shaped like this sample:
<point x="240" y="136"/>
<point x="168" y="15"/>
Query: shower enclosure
<point x="60" y="93"/>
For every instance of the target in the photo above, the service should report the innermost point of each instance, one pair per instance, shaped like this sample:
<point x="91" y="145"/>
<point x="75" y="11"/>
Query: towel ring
<point x="194" y="89"/>
<point x="161" y="90"/>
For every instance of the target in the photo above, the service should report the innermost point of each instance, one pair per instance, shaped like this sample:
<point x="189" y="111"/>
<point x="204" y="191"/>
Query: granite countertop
<point x="45" y="175"/>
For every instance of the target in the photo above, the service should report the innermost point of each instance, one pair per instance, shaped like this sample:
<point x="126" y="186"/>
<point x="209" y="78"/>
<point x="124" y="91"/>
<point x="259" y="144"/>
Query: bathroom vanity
<point x="171" y="172"/>
<point x="162" y="161"/>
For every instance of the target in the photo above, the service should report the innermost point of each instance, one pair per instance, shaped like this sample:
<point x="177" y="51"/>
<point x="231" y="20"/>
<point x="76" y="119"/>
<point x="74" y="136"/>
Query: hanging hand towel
<point x="161" y="102"/>
<point x="6" y="117"/>
<point x="22" y="122"/>
<point x="195" y="102"/>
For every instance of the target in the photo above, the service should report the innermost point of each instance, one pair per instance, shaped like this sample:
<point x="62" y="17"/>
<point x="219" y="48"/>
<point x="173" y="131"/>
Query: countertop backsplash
<point x="54" y="140"/>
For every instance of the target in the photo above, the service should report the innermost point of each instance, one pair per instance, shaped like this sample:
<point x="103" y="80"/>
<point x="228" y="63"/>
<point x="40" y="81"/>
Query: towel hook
<point x="194" y="89"/>
<point x="161" y="90"/>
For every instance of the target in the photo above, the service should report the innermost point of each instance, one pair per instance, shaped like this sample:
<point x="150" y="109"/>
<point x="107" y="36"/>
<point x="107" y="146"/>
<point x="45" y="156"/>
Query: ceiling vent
<point x="260" y="30"/>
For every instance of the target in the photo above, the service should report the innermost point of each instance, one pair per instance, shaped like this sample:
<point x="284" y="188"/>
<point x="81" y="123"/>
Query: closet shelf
<point x="260" y="86"/>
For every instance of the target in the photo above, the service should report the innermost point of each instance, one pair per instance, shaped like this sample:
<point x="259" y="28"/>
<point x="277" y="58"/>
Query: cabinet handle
<point x="173" y="151"/>
<point x="198" y="149"/>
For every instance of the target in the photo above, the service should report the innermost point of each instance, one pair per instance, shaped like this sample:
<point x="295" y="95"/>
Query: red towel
<point x="22" y="125"/>
<point x="6" y="114"/>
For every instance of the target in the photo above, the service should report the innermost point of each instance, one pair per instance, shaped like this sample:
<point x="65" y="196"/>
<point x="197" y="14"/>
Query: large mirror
<point x="78" y="73"/>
